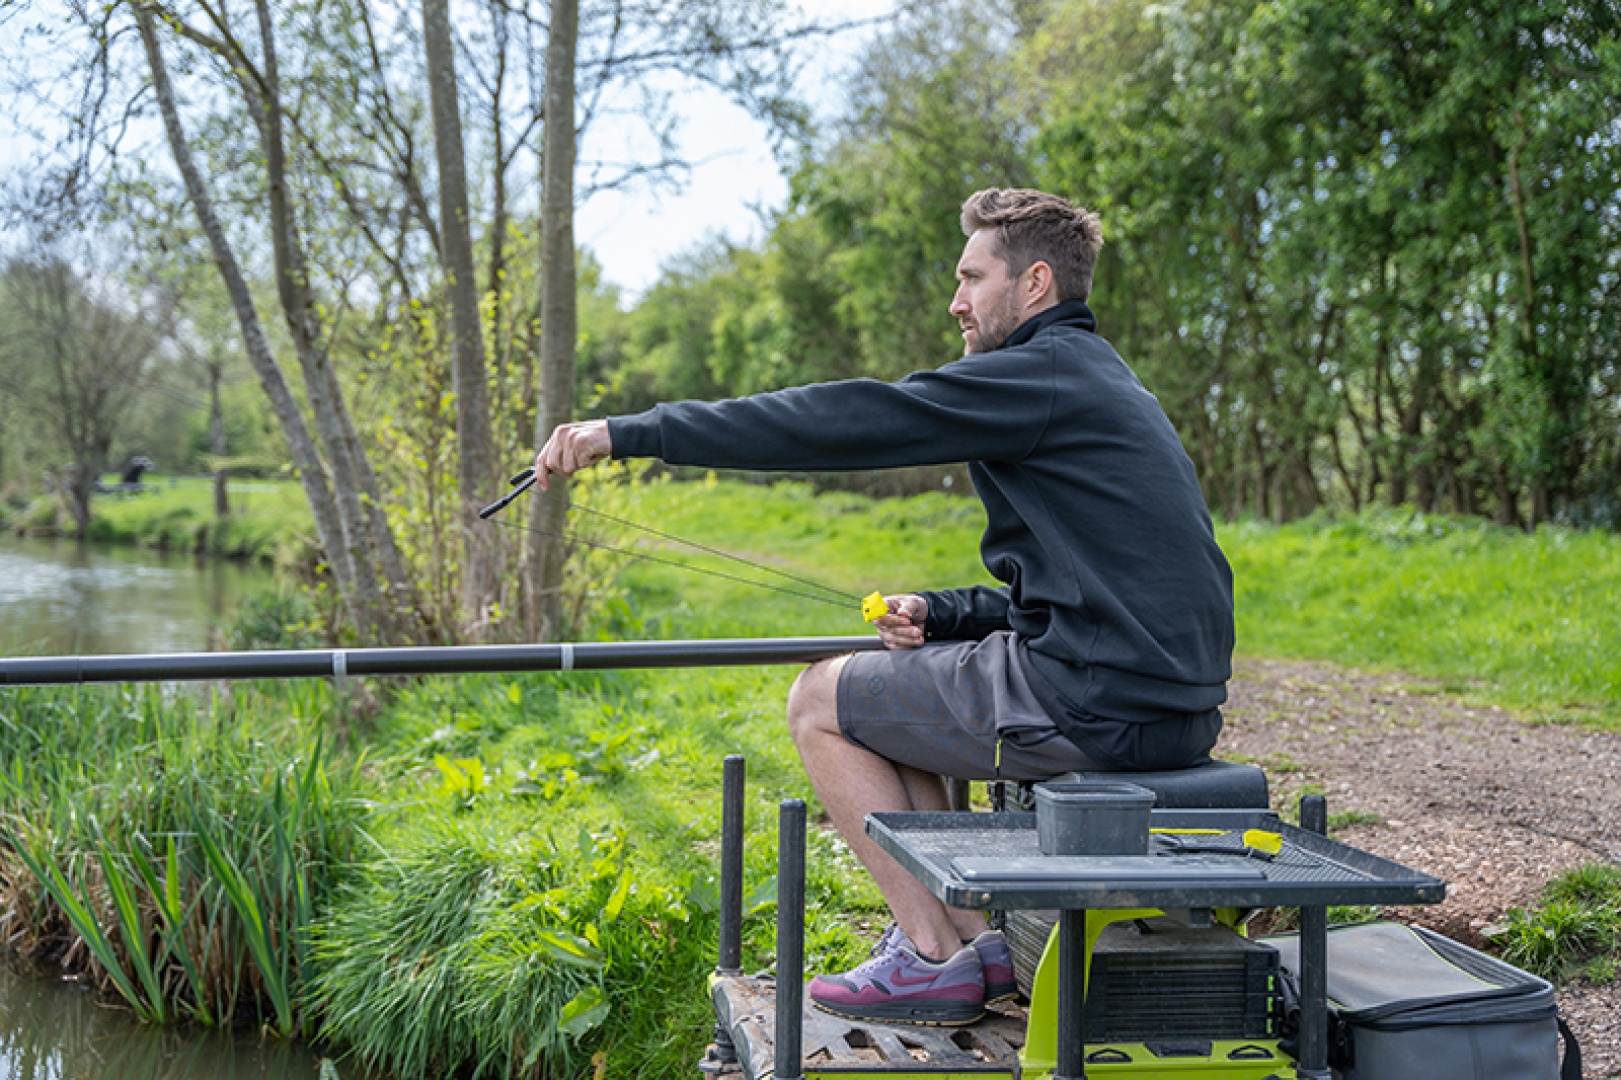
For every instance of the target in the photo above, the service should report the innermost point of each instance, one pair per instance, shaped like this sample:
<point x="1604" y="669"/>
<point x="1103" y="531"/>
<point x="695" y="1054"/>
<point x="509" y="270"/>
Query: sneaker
<point x="898" y="986"/>
<point x="996" y="960"/>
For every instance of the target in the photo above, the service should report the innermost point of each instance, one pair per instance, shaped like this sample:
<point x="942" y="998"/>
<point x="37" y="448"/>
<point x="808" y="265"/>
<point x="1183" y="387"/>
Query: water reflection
<point x="53" y="1030"/>
<point x="58" y="597"/>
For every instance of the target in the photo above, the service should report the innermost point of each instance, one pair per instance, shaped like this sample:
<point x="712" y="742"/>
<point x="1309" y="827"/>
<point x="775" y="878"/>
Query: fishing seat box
<point x="1211" y="785"/>
<point x="1408" y="1003"/>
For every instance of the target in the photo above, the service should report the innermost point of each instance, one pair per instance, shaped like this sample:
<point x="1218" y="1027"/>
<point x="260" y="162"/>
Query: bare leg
<point x="853" y="782"/>
<point x="927" y="792"/>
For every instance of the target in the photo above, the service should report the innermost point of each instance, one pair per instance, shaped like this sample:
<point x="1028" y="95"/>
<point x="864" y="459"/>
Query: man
<point x="1108" y="646"/>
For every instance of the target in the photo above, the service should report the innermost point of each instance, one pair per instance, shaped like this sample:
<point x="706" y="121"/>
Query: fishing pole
<point x="871" y="606"/>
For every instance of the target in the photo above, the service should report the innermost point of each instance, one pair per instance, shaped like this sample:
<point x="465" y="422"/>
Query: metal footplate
<point x="834" y="1046"/>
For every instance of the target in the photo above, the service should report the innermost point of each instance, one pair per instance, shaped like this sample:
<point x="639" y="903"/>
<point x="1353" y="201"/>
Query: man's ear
<point x="1039" y="291"/>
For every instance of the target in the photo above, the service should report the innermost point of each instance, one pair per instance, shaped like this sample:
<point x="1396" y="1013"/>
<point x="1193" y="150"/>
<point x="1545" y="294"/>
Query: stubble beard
<point x="994" y="327"/>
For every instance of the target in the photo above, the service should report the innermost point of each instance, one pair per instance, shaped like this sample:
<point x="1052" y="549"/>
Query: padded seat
<point x="1214" y="785"/>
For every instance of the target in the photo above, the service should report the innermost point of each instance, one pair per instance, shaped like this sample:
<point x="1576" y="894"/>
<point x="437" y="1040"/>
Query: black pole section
<point x="723" y="1054"/>
<point x="731" y="867"/>
<point x="1071" y="996"/>
<point x="789" y="1061"/>
<point x="445" y="660"/>
<point x="1314" y="962"/>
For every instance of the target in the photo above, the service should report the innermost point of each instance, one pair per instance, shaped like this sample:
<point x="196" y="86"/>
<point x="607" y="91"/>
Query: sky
<point x="634" y="234"/>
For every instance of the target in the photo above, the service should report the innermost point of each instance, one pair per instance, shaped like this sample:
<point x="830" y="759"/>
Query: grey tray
<point x="1310" y="871"/>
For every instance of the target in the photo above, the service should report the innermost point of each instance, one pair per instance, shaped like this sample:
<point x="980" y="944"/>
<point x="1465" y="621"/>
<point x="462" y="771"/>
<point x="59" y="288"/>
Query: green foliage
<point x="281" y="618"/>
<point x="1574" y="930"/>
<point x="856" y="274"/>
<point x="1360" y="251"/>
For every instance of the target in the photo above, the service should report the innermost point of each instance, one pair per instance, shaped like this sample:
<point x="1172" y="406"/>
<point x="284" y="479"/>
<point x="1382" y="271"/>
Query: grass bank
<point x="269" y="520"/>
<point x="518" y="877"/>
<point x="1529" y="622"/>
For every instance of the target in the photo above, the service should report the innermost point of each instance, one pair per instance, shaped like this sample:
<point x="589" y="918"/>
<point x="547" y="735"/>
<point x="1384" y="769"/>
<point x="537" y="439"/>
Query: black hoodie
<point x="1114" y="583"/>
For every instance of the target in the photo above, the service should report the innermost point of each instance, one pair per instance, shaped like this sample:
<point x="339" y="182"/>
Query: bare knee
<point x="813" y="701"/>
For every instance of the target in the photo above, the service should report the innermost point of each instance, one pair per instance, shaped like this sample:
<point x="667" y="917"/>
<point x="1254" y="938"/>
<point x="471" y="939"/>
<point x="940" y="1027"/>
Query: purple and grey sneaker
<point x="898" y="986"/>
<point x="996" y="960"/>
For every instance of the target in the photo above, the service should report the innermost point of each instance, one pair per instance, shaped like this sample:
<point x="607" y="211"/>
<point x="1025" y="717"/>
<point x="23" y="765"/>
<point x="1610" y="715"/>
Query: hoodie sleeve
<point x="966" y="614"/>
<point x="988" y="407"/>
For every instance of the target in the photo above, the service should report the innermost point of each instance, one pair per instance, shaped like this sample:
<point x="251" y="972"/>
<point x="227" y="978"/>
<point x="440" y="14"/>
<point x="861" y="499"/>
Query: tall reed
<point x="184" y="841"/>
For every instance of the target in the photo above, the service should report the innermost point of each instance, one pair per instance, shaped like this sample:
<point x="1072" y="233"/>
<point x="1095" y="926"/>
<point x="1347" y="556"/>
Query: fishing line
<point x="843" y="596"/>
<point x="525" y="480"/>
<point x="576" y="538"/>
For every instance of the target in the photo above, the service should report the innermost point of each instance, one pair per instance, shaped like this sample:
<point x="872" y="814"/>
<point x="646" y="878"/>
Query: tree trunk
<point x="81" y="482"/>
<point x="549" y="515"/>
<point x="306" y="458"/>
<point x="216" y="438"/>
<point x="481" y="569"/>
<point x="303" y="325"/>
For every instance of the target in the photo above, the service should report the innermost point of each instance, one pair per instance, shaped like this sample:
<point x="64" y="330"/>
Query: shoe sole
<point x="915" y="1015"/>
<point x="995" y="995"/>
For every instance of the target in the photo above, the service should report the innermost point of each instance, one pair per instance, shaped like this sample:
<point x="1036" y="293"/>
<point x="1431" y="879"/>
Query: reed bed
<point x="172" y="849"/>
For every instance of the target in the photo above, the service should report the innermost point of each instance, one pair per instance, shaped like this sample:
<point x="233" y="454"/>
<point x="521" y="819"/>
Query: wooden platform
<point x="833" y="1045"/>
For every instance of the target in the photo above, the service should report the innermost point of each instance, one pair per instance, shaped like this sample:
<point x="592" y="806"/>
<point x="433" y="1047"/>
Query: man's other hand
<point x="572" y="447"/>
<point x="902" y="628"/>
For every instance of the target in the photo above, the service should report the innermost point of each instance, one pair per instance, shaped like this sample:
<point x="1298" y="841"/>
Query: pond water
<point x="54" y="1030"/>
<point x="60" y="597"/>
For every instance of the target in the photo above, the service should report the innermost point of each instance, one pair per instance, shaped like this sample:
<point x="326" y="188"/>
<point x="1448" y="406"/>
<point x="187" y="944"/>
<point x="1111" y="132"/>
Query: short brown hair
<point x="1033" y="226"/>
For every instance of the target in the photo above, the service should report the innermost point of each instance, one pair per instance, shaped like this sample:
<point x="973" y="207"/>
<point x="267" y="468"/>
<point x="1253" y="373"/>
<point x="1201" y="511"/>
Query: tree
<point x="481" y="567"/>
<point x="338" y="536"/>
<point x="1334" y="252"/>
<point x="74" y="357"/>
<point x="549" y="517"/>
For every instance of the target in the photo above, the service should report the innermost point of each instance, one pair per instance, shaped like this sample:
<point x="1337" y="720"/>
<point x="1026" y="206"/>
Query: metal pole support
<point x="731" y="867"/>
<point x="722" y="1056"/>
<point x="1314" y="963"/>
<point x="789" y="1059"/>
<point x="1071" y="1064"/>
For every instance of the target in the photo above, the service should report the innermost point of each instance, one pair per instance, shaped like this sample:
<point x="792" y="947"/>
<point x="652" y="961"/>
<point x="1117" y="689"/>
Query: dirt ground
<point x="1493" y="806"/>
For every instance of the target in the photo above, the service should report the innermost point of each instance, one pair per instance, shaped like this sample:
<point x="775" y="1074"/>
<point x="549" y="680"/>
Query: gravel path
<point x="1493" y="806"/>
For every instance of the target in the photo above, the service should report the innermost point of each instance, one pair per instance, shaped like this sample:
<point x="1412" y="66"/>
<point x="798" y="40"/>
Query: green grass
<point x="184" y="840"/>
<point x="1528" y="622"/>
<point x="1574" y="931"/>
<point x="269" y="520"/>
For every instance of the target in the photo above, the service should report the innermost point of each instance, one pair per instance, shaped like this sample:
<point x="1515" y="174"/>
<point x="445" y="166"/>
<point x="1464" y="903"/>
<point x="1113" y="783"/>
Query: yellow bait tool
<point x="1261" y="840"/>
<point x="873" y="606"/>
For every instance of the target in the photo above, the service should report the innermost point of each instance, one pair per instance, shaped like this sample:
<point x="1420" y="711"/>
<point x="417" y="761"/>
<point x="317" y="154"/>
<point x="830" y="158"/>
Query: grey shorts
<point x="945" y="708"/>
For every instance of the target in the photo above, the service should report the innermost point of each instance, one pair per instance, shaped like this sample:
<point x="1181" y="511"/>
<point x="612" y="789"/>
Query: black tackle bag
<point x="1406" y="1003"/>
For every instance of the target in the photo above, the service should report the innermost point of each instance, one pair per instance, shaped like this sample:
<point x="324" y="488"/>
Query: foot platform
<point x="746" y="1006"/>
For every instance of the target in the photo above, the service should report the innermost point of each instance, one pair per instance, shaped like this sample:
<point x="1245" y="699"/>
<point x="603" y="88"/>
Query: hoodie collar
<point x="1067" y="313"/>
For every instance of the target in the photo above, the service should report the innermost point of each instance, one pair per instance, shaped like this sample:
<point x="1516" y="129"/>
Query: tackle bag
<point x="1406" y="1003"/>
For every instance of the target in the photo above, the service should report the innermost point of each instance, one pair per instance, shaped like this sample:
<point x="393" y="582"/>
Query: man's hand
<point x="902" y="628"/>
<point x="572" y="447"/>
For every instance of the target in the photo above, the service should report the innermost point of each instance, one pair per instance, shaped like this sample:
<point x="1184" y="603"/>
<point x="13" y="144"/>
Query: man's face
<point x="987" y="304"/>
